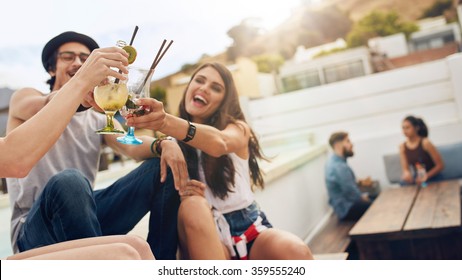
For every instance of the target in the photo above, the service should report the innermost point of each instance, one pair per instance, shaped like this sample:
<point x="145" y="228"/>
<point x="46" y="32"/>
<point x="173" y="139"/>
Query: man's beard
<point x="347" y="153"/>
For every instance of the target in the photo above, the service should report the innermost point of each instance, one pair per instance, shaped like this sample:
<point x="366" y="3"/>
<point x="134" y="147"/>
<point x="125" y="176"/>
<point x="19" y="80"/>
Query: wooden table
<point x="412" y="223"/>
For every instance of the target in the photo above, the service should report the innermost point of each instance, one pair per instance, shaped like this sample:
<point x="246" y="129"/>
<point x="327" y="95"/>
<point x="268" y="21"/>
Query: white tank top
<point x="242" y="195"/>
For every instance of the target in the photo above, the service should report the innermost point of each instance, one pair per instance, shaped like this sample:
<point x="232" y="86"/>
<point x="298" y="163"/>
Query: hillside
<point x="331" y="19"/>
<point x="408" y="9"/>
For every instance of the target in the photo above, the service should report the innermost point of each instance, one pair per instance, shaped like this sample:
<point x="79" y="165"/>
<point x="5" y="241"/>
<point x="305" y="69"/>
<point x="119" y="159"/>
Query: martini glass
<point x="139" y="81"/>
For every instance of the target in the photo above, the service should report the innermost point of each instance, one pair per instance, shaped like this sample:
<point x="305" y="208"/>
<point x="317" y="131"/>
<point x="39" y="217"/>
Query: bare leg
<point x="199" y="239"/>
<point x="114" y="251"/>
<point x="129" y="246"/>
<point x="274" y="244"/>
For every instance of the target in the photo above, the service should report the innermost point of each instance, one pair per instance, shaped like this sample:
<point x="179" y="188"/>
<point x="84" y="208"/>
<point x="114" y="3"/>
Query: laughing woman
<point x="222" y="152"/>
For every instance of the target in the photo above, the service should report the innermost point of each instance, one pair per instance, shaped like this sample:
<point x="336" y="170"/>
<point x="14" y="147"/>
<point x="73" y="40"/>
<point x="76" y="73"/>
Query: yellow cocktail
<point x="111" y="97"/>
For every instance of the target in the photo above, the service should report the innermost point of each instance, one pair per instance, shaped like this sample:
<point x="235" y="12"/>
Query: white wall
<point x="267" y="84"/>
<point x="393" y="46"/>
<point x="296" y="199"/>
<point x="371" y="108"/>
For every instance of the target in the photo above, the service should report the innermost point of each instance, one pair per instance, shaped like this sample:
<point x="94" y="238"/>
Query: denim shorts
<point x="240" y="220"/>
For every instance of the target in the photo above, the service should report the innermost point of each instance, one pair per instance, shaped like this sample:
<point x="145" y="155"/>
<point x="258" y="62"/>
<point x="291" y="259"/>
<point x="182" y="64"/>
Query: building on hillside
<point x="335" y="67"/>
<point x="434" y="33"/>
<point x="303" y="55"/>
<point x="391" y="46"/>
<point x="435" y="40"/>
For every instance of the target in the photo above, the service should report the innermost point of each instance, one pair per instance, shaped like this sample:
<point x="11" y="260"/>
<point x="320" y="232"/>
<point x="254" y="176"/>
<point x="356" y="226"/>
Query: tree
<point x="188" y="67"/>
<point x="268" y="63"/>
<point x="378" y="24"/>
<point x="160" y="94"/>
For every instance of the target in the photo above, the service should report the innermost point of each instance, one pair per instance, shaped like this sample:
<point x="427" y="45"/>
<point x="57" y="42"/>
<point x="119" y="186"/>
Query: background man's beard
<point x="347" y="153"/>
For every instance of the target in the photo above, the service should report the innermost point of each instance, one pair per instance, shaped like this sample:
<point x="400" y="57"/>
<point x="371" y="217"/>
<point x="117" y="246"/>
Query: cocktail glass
<point x="139" y="81"/>
<point x="111" y="96"/>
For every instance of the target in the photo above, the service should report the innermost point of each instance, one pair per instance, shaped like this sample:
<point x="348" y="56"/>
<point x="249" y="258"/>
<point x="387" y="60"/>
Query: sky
<point x="197" y="27"/>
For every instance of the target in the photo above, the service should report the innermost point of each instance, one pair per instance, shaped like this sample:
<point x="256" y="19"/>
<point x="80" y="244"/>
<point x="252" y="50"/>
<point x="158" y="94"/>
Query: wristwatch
<point x="191" y="132"/>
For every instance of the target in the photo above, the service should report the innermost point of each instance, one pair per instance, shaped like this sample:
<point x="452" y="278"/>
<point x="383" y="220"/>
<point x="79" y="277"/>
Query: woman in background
<point x="418" y="150"/>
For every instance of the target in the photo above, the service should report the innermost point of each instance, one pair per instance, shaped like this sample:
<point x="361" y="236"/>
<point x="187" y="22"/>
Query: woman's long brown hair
<point x="219" y="172"/>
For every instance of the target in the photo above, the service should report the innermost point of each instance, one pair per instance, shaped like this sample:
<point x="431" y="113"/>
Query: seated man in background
<point x="345" y="196"/>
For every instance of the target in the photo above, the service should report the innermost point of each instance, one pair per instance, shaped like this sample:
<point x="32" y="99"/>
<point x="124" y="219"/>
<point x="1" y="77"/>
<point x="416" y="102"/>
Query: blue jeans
<point x="69" y="209"/>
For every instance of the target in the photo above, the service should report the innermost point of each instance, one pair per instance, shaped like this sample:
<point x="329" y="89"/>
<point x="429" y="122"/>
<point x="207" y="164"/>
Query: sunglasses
<point x="70" y="56"/>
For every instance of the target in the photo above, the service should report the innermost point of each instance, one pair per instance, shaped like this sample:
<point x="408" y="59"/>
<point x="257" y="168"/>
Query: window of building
<point x="301" y="80"/>
<point x="433" y="42"/>
<point x="345" y="71"/>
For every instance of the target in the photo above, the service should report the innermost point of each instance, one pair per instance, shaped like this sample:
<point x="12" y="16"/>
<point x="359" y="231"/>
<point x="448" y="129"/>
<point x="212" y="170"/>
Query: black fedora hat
<point x="66" y="37"/>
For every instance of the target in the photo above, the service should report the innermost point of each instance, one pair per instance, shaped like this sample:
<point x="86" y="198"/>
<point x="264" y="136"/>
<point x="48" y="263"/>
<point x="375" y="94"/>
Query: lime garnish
<point x="131" y="53"/>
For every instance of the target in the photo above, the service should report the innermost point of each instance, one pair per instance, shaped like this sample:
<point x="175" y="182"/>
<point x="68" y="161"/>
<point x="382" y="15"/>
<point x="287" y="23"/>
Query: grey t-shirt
<point x="78" y="147"/>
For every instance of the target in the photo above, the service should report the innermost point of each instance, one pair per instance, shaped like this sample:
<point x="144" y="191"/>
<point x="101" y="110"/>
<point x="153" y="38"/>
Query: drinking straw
<point x="133" y="35"/>
<point x="158" y="53"/>
<point x="168" y="46"/>
<point x="156" y="61"/>
<point x="131" y="43"/>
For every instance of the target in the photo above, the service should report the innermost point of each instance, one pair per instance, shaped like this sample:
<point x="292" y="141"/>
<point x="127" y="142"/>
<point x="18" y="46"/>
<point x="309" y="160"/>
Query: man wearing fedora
<point x="56" y="201"/>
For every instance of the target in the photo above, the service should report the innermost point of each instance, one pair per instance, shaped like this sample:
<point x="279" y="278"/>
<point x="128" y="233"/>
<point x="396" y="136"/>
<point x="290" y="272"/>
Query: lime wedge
<point x="131" y="53"/>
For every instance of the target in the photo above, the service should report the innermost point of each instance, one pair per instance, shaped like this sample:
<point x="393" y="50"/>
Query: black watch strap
<point x="191" y="132"/>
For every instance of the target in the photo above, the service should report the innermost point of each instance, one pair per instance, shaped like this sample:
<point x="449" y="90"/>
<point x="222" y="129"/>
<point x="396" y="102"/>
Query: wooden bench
<point x="333" y="238"/>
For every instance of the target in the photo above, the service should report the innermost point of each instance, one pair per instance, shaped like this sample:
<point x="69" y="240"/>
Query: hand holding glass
<point x="139" y="81"/>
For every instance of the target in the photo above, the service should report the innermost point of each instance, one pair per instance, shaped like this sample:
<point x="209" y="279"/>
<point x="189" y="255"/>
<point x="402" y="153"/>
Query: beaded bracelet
<point x="153" y="148"/>
<point x="156" y="149"/>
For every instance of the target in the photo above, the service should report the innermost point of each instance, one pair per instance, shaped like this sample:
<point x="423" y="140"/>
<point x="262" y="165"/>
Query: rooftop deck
<point x="295" y="127"/>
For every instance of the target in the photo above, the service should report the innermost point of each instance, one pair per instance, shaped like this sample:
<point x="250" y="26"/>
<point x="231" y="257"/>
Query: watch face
<point x="191" y="132"/>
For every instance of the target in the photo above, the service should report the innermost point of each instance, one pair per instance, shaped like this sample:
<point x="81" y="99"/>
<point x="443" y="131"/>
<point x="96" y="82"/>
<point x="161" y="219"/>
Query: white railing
<point x="295" y="196"/>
